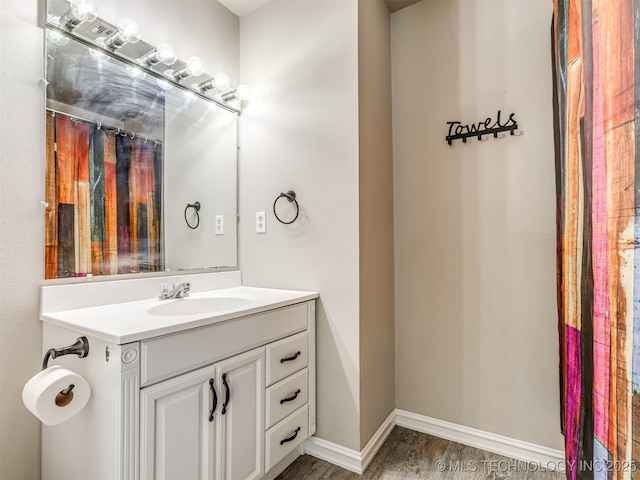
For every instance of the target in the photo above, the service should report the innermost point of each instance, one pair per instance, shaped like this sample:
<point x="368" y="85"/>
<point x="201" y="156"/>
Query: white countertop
<point x="131" y="321"/>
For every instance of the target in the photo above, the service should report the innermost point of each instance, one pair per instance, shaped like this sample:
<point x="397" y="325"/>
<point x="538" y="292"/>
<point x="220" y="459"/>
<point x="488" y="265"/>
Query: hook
<point x="118" y="131"/>
<point x="133" y="135"/>
<point x="99" y="125"/>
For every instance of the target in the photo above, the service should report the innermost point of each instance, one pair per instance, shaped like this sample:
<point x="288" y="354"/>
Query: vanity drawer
<point x="170" y="355"/>
<point x="287" y="356"/>
<point x="285" y="436"/>
<point x="286" y="396"/>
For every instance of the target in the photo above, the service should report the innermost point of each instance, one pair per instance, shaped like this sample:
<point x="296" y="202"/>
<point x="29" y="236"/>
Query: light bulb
<point x="194" y="67"/>
<point x="242" y="92"/>
<point x="220" y="81"/>
<point x="80" y="11"/>
<point x="163" y="53"/>
<point x="128" y="32"/>
<point x="130" y="28"/>
<point x="166" y="53"/>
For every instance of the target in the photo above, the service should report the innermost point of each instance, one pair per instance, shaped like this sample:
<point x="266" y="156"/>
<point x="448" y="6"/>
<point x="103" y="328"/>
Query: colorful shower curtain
<point x="597" y="92"/>
<point x="103" y="191"/>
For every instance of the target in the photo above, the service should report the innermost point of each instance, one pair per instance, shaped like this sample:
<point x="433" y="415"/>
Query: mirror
<point x="129" y="157"/>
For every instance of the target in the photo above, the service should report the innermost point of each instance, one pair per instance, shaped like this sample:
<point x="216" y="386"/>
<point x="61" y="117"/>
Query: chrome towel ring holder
<point x="291" y="197"/>
<point x="196" y="208"/>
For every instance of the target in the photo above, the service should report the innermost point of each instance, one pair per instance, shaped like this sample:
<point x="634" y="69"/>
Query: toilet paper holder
<point x="80" y="348"/>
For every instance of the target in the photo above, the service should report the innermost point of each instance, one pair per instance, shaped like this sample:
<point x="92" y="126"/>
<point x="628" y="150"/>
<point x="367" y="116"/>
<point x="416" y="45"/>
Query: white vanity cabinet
<point x="178" y="437"/>
<point x="206" y="424"/>
<point x="231" y="400"/>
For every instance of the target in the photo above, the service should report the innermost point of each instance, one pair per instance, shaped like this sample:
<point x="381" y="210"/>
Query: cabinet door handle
<point x="291" y="398"/>
<point x="291" y="358"/>
<point x="227" y="394"/>
<point x="291" y="438"/>
<point x="215" y="400"/>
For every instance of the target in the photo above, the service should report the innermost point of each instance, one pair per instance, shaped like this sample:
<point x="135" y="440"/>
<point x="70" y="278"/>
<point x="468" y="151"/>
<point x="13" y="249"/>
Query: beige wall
<point x="476" y="323"/>
<point x="377" y="338"/>
<point x="303" y="136"/>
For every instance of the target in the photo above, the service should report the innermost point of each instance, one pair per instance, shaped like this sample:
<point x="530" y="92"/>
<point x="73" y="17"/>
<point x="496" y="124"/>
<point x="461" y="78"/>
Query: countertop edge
<point x="304" y="296"/>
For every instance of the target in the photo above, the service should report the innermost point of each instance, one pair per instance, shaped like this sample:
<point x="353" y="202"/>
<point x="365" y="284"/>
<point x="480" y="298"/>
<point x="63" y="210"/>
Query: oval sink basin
<point x="198" y="306"/>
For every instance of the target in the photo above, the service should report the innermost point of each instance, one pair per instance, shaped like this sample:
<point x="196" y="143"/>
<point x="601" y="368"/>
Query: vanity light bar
<point x="128" y="32"/>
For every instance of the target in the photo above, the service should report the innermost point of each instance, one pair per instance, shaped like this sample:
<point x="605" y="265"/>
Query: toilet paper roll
<point x="48" y="397"/>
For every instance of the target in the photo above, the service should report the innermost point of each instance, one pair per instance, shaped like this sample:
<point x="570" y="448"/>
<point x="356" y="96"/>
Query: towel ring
<point x="291" y="197"/>
<point x="196" y="207"/>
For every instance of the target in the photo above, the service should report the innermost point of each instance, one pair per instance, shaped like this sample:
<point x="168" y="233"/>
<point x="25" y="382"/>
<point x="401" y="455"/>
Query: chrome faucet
<point x="179" y="290"/>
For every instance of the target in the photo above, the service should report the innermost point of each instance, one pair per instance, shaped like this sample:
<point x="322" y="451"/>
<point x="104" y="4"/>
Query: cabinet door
<point x="177" y="435"/>
<point x="241" y="418"/>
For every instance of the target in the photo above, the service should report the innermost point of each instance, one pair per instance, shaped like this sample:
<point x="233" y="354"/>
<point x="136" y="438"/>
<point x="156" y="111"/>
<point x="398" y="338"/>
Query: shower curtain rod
<point x="101" y="126"/>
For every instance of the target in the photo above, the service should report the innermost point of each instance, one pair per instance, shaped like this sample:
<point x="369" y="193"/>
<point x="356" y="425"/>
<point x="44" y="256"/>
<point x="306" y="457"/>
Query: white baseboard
<point x="347" y="458"/>
<point x="373" y="445"/>
<point x="491" y="442"/>
<point x="358" y="461"/>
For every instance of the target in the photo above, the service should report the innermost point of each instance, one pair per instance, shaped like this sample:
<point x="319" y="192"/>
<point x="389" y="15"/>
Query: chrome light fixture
<point x="194" y="68"/>
<point x="163" y="53"/>
<point x="128" y="32"/>
<point x="80" y="11"/>
<point x="220" y="81"/>
<point x="241" y="92"/>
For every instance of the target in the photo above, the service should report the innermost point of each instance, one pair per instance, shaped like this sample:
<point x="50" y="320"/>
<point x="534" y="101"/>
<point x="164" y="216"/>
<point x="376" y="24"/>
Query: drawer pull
<point x="215" y="400"/>
<point x="291" y="358"/>
<point x="291" y="398"/>
<point x="291" y="438"/>
<point x="227" y="393"/>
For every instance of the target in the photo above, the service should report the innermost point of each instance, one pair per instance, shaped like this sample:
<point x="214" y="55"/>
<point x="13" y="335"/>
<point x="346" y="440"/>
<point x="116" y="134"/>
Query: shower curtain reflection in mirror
<point x="104" y="191"/>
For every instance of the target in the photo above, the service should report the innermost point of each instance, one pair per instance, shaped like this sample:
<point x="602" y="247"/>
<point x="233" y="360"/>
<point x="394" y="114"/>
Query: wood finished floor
<point x="410" y="455"/>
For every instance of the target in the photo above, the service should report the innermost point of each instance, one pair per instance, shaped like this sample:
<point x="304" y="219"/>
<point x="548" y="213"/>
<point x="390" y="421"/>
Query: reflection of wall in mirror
<point x="201" y="142"/>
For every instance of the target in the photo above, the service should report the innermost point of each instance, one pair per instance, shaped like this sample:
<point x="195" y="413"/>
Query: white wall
<point x="476" y="322"/>
<point x="21" y="231"/>
<point x="304" y="136"/>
